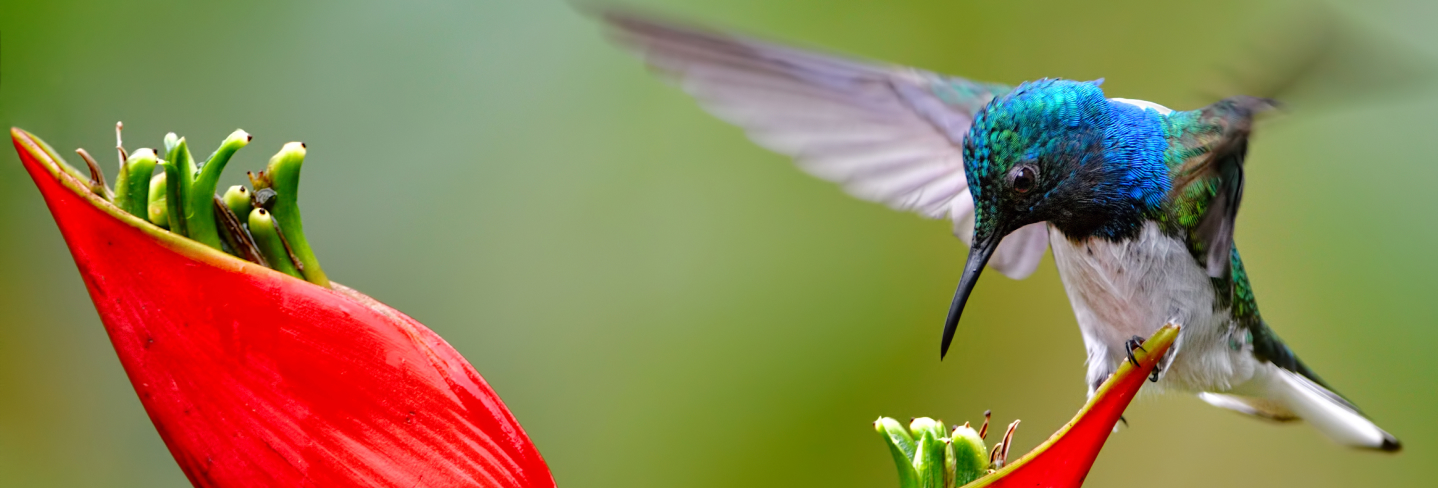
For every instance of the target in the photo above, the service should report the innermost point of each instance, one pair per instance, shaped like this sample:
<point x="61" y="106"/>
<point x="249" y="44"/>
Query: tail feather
<point x="1258" y="407"/>
<point x="1280" y="394"/>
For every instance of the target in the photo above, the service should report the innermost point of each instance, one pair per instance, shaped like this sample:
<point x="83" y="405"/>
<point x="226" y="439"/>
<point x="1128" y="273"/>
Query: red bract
<point x="1064" y="460"/>
<point x="254" y="378"/>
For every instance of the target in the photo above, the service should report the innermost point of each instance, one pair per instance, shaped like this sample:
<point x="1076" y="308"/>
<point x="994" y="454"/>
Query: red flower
<point x="255" y="378"/>
<point x="928" y="454"/>
<point x="1064" y="460"/>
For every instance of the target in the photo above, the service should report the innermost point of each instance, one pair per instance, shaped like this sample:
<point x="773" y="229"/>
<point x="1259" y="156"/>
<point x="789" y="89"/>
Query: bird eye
<point x="1023" y="178"/>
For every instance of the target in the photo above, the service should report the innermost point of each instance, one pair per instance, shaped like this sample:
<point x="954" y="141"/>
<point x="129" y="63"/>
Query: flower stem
<point x="120" y="144"/>
<point x="179" y="175"/>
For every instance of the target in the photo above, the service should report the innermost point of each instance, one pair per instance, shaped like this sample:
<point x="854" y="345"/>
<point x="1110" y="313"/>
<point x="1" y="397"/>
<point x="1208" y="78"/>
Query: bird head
<point x="1058" y="151"/>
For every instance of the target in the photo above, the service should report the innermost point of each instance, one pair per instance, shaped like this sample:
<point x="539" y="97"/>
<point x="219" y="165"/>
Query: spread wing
<point x="886" y="134"/>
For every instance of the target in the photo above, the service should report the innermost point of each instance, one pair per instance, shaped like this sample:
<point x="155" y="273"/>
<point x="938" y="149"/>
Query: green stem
<point x="179" y="176"/>
<point x="199" y="203"/>
<point x="262" y="228"/>
<point x="283" y="175"/>
<point x="122" y="188"/>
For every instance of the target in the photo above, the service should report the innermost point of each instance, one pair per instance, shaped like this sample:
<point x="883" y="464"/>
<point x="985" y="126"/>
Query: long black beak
<point x="979" y="256"/>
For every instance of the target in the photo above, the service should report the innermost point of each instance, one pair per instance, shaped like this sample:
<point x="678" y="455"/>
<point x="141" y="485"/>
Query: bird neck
<point x="1135" y="144"/>
<point x="1128" y="183"/>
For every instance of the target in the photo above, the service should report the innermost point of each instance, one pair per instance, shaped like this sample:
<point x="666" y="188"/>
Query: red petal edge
<point x="1064" y="460"/>
<point x="254" y="378"/>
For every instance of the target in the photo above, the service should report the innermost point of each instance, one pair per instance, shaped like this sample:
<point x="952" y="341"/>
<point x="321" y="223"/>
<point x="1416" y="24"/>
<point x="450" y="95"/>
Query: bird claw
<point x="1134" y="342"/>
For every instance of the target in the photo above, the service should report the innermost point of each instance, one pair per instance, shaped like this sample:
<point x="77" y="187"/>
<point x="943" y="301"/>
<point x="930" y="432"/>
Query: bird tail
<point x="1282" y="395"/>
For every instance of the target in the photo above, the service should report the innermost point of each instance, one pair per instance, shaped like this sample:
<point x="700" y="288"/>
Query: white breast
<point x="1131" y="288"/>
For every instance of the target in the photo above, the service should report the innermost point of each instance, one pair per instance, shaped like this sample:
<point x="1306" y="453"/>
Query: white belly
<point x="1125" y="289"/>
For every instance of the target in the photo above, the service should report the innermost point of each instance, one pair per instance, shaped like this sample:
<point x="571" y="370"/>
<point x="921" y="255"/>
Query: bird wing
<point x="1212" y="181"/>
<point x="887" y="134"/>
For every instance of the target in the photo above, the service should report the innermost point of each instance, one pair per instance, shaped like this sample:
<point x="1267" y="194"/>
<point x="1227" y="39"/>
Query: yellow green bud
<point x="157" y="208"/>
<point x="970" y="456"/>
<point x="237" y="198"/>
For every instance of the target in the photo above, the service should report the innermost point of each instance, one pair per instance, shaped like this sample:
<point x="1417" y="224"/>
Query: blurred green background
<point x="661" y="302"/>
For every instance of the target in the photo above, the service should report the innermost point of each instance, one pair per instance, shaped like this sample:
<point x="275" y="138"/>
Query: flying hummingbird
<point x="1137" y="201"/>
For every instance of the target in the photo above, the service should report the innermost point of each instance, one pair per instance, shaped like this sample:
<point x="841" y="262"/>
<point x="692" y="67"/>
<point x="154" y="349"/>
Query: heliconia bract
<point x="1064" y="460"/>
<point x="930" y="455"/>
<point x="256" y="378"/>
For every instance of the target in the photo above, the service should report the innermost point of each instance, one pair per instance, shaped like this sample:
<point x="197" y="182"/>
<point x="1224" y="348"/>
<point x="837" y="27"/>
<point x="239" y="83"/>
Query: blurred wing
<point x="886" y="134"/>
<point x="1218" y="173"/>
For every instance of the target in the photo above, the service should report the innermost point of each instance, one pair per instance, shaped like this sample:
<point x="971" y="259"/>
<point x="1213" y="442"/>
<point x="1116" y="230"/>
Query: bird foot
<point x="1136" y="342"/>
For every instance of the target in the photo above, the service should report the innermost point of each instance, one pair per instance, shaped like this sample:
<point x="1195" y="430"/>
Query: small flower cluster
<point x="930" y="456"/>
<point x="261" y="226"/>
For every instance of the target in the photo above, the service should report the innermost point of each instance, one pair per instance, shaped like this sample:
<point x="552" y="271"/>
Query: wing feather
<point x="1221" y="168"/>
<point x="887" y="134"/>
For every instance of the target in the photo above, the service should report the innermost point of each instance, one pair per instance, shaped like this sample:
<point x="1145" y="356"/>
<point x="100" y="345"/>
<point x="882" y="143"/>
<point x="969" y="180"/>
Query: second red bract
<point x="254" y="378"/>
<point x="1064" y="460"/>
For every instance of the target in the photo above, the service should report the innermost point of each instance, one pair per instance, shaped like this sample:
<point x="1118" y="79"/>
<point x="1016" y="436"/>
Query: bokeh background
<point x="664" y="304"/>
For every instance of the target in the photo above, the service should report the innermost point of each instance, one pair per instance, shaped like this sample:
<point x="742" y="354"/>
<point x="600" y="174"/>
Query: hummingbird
<point x="1136" y="201"/>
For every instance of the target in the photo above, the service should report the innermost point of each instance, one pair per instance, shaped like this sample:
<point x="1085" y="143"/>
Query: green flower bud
<point x="924" y="424"/>
<point x="237" y="198"/>
<point x="158" y="214"/>
<point x="199" y="204"/>
<point x="283" y="176"/>
<point x="902" y="447"/>
<point x="929" y="460"/>
<point x="157" y="208"/>
<point x="970" y="456"/>
<point x="268" y="239"/>
<point x="132" y="188"/>
<point x="171" y="140"/>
